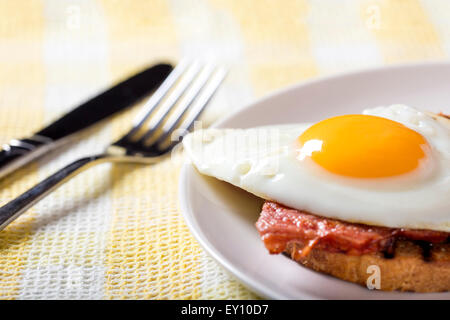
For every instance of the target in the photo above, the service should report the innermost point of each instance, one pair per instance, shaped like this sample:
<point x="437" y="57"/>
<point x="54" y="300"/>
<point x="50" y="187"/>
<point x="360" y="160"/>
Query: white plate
<point x="222" y="217"/>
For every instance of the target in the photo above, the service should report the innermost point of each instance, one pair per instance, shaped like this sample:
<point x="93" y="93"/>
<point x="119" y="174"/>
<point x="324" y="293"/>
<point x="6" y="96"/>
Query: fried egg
<point x="389" y="166"/>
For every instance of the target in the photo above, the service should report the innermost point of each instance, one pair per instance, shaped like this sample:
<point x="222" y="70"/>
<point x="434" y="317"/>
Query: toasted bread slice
<point x="412" y="267"/>
<point x="403" y="259"/>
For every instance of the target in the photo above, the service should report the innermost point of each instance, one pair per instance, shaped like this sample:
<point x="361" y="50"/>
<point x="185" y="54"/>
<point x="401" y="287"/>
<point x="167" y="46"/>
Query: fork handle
<point x="13" y="209"/>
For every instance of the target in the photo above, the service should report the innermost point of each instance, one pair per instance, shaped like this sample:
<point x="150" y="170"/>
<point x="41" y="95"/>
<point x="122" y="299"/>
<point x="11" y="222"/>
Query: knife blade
<point x="19" y="152"/>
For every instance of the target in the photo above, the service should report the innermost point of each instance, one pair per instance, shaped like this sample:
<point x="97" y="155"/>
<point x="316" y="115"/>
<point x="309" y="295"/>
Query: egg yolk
<point x="363" y="146"/>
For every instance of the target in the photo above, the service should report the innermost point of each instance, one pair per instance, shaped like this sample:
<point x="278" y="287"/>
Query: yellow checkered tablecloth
<point x="116" y="231"/>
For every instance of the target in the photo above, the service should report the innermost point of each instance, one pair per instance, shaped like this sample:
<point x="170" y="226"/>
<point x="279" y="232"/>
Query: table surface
<point x="116" y="232"/>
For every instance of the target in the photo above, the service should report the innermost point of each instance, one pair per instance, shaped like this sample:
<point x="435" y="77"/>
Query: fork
<point x="165" y="118"/>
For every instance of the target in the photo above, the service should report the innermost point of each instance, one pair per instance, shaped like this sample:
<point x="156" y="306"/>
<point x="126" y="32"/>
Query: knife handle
<point x="20" y="152"/>
<point x="108" y="102"/>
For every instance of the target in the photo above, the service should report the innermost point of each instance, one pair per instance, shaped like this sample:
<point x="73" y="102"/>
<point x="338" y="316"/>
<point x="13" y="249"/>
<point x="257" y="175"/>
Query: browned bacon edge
<point x="279" y="225"/>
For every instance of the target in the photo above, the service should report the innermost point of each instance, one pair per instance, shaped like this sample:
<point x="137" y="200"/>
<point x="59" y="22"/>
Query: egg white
<point x="264" y="161"/>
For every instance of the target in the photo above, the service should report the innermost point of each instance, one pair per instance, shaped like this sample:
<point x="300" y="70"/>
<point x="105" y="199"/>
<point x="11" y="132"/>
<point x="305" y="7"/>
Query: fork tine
<point x="158" y="95"/>
<point x="205" y="97"/>
<point x="185" y="102"/>
<point x="171" y="100"/>
<point x="194" y="110"/>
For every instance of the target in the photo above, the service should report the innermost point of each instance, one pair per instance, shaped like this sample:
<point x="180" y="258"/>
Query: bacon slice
<point x="279" y="226"/>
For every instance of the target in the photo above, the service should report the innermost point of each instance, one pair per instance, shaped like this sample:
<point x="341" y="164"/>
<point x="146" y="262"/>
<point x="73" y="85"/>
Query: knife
<point x="19" y="152"/>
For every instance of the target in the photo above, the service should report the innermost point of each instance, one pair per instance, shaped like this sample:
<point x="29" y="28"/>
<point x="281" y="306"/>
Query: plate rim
<point x="255" y="286"/>
<point x="186" y="209"/>
<point x="314" y="80"/>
